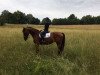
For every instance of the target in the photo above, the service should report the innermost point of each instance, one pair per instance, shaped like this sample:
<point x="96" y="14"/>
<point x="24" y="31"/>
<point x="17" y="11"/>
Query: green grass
<point x="81" y="55"/>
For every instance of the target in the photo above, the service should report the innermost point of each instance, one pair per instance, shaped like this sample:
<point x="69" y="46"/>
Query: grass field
<point x="81" y="54"/>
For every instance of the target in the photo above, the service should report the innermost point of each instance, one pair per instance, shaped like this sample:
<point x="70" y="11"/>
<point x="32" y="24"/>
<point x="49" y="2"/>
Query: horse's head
<point x="25" y="33"/>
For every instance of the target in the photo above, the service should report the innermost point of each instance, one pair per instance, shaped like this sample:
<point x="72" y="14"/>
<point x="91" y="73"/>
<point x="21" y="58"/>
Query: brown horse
<point x="57" y="37"/>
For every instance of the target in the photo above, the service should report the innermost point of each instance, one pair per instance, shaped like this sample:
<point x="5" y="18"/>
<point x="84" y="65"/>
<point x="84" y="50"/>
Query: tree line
<point x="73" y="20"/>
<point x="19" y="17"/>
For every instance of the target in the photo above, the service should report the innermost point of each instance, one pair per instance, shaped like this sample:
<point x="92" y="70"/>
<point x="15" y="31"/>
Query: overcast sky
<point x="52" y="8"/>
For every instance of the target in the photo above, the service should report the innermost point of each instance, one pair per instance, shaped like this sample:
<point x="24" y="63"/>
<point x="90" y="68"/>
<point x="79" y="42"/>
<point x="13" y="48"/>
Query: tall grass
<point x="81" y="55"/>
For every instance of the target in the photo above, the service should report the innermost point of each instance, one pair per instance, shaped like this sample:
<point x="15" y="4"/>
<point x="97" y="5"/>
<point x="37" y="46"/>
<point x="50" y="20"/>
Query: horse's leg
<point x="59" y="48"/>
<point x="37" y="48"/>
<point x="61" y="44"/>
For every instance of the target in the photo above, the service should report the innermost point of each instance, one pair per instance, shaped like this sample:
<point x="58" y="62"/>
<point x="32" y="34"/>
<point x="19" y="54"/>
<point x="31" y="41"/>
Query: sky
<point x="52" y="8"/>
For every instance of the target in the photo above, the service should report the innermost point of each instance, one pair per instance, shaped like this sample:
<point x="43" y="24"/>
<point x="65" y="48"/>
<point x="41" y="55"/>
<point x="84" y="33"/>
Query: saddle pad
<point x="46" y="36"/>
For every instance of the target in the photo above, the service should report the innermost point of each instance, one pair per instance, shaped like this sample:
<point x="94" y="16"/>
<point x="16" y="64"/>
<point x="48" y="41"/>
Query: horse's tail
<point x="63" y="42"/>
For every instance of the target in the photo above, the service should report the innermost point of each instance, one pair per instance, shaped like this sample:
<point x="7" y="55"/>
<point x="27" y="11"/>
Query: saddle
<point x="44" y="34"/>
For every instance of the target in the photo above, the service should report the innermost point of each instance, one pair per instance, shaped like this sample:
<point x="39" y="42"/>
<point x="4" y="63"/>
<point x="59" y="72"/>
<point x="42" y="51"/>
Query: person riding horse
<point x="57" y="37"/>
<point x="45" y="30"/>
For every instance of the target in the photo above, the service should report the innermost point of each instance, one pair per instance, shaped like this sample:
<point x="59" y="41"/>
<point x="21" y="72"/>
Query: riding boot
<point x="42" y="39"/>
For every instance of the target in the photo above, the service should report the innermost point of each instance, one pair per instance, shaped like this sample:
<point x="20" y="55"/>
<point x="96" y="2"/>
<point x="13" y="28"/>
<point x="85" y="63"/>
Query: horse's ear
<point x="23" y="28"/>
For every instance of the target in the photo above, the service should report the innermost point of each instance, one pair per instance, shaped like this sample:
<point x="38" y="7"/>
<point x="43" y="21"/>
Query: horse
<point x="57" y="37"/>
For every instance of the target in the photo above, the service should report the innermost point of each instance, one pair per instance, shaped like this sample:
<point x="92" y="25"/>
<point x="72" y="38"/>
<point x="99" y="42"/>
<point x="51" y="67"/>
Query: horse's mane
<point x="33" y="29"/>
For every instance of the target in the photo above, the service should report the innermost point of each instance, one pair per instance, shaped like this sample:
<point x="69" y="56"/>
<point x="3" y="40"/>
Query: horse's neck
<point x="34" y="32"/>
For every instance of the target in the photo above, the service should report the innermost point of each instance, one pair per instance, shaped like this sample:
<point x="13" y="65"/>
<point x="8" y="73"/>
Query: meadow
<point x="81" y="54"/>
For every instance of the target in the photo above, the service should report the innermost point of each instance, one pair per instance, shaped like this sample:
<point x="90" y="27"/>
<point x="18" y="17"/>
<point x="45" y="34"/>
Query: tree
<point x="6" y="16"/>
<point x="72" y="20"/>
<point x="1" y="21"/>
<point x="97" y="20"/>
<point x="19" y="17"/>
<point x="88" y="19"/>
<point x="46" y="20"/>
<point x="29" y="18"/>
<point x="37" y="21"/>
<point x="60" y="21"/>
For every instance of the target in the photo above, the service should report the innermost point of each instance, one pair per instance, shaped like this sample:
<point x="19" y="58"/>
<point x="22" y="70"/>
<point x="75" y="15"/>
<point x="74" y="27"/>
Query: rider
<point x="47" y="23"/>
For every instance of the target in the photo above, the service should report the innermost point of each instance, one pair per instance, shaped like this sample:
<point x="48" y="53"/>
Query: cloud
<point x="53" y="8"/>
